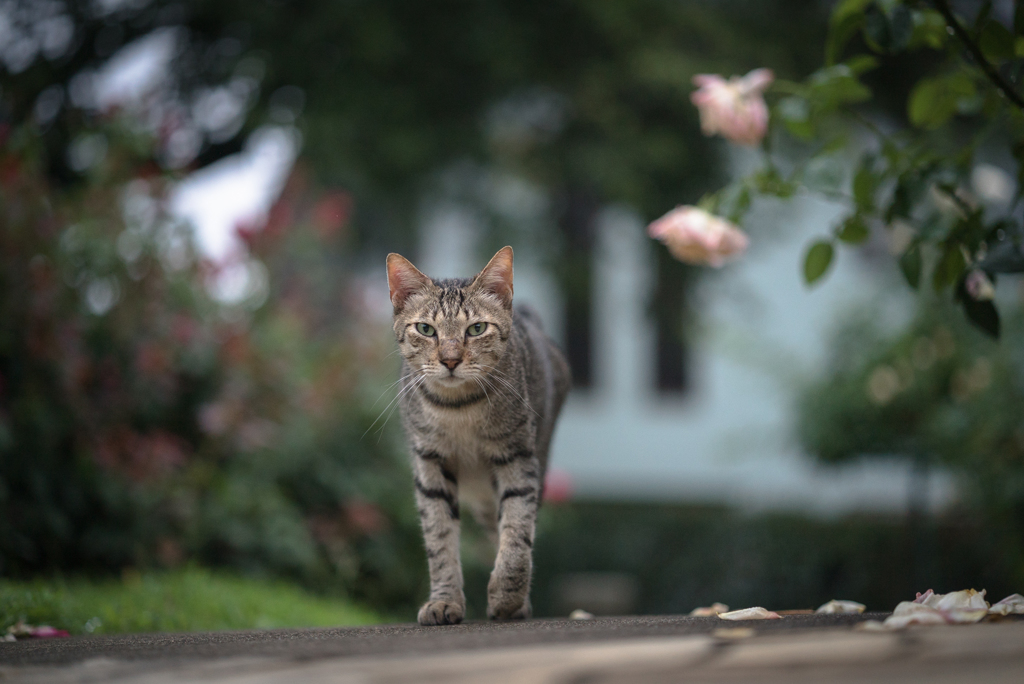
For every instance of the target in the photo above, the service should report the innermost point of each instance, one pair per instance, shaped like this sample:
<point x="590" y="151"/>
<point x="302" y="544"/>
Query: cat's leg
<point x="517" y="489"/>
<point x="437" y="499"/>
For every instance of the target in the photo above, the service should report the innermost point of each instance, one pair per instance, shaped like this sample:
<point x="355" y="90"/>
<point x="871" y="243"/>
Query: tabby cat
<point x="480" y="390"/>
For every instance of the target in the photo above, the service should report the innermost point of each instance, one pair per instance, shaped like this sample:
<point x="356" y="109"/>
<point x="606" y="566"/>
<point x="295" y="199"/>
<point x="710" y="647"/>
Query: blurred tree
<point x="575" y="93"/>
<point x="938" y="392"/>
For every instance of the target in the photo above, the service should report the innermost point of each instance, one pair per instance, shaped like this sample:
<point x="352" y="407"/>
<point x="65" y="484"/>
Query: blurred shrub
<point x="687" y="556"/>
<point x="143" y="423"/>
<point x="939" y="392"/>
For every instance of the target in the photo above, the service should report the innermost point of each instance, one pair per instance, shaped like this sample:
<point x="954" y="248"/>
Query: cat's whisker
<point x="417" y="376"/>
<point x="497" y="375"/>
<point x="477" y="379"/>
<point x="506" y="389"/>
<point x="380" y="431"/>
<point x="386" y="390"/>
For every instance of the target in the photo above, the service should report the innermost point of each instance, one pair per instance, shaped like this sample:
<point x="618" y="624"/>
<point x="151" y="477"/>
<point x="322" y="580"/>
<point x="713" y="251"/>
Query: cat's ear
<point x="404" y="279"/>
<point x="496" y="277"/>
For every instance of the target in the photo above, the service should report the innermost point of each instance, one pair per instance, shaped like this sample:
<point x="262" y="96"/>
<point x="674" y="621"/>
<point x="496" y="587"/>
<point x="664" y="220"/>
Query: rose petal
<point x="1011" y="605"/>
<point x="734" y="108"/>
<point x="960" y="616"/>
<point x="756" y="613"/>
<point x="48" y="632"/>
<point x="695" y="236"/>
<point x="841" y="607"/>
<point x="757" y="81"/>
<point x="967" y="599"/>
<point x="709" y="611"/>
<point x="930" y="617"/>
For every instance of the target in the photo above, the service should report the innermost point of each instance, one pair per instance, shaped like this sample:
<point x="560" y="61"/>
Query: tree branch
<point x="1004" y="86"/>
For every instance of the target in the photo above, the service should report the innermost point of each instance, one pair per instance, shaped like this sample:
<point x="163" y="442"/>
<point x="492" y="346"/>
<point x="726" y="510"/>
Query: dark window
<point x="575" y="272"/>
<point x="669" y="307"/>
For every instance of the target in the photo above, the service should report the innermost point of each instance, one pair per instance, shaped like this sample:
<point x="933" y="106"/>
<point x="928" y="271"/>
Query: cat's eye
<point x="425" y="329"/>
<point x="476" y="329"/>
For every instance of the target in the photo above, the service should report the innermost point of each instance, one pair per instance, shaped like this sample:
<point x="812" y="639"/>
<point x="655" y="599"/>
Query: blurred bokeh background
<point x="195" y="345"/>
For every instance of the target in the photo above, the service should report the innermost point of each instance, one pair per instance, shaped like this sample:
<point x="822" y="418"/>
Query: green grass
<point x="193" y="599"/>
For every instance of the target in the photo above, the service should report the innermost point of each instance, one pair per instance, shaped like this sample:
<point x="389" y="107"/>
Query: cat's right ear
<point x="404" y="279"/>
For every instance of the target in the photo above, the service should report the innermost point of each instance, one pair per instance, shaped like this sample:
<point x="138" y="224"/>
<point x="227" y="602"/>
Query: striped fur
<point x="478" y="412"/>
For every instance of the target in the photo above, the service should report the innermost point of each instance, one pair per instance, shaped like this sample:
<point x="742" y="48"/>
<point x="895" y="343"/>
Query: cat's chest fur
<point x="471" y="435"/>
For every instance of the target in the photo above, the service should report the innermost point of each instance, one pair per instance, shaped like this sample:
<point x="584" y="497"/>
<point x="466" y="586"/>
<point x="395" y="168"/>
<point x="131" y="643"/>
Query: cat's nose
<point x="451" y="363"/>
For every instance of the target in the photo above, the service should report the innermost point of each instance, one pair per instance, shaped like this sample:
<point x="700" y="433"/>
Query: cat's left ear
<point x="496" y="277"/>
<point x="403" y="280"/>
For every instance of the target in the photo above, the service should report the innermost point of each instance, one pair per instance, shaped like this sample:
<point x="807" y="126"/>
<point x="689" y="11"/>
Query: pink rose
<point x="694" y="236"/>
<point x="734" y="108"/>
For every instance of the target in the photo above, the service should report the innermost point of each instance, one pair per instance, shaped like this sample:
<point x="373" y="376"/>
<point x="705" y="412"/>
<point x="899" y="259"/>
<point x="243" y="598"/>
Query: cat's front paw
<point x="441" y="613"/>
<point x="509" y="607"/>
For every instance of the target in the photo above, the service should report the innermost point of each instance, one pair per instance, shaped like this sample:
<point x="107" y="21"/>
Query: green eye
<point x="476" y="329"/>
<point x="424" y="329"/>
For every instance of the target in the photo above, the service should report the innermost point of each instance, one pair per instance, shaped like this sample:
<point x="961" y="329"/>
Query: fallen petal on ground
<point x="965" y="600"/>
<point x="23" y="630"/>
<point x="756" y="613"/>
<point x="839" y="606"/>
<point x="710" y="611"/>
<point x="933" y="617"/>
<point x="1011" y="605"/>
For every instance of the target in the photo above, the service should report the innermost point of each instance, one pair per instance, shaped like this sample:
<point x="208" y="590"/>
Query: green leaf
<point x="982" y="15"/>
<point x="795" y="113"/>
<point x="901" y="201"/>
<point x="982" y="313"/>
<point x="934" y="100"/>
<point x="950" y="267"/>
<point x="876" y="29"/>
<point x="865" y="182"/>
<point x="846" y="9"/>
<point x="901" y="27"/>
<point x="861" y="64"/>
<point x="929" y="30"/>
<point x="996" y="42"/>
<point x="834" y="86"/>
<point x="771" y="182"/>
<point x="910" y="265"/>
<point x="847" y="18"/>
<point x="854" y="230"/>
<point x="817" y="261"/>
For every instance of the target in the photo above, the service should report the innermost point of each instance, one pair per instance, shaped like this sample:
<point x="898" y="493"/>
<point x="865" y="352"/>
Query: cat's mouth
<point x="448" y="378"/>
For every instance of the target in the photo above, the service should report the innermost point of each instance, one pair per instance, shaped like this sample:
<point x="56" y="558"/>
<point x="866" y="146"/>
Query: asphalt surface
<point x="798" y="649"/>
<point x="388" y="639"/>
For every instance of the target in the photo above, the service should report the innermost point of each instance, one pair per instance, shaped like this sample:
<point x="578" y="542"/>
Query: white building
<point x="729" y="438"/>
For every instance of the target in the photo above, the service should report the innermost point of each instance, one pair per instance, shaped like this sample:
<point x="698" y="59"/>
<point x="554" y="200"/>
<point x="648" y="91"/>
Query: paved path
<point x="796" y="649"/>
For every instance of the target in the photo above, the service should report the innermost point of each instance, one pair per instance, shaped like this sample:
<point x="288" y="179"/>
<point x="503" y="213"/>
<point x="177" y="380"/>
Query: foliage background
<point x="145" y="424"/>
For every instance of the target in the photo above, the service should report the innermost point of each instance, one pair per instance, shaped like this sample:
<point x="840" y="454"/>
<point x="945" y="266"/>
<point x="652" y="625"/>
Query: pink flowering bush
<point x="143" y="424"/>
<point x="695" y="236"/>
<point x="734" y="109"/>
